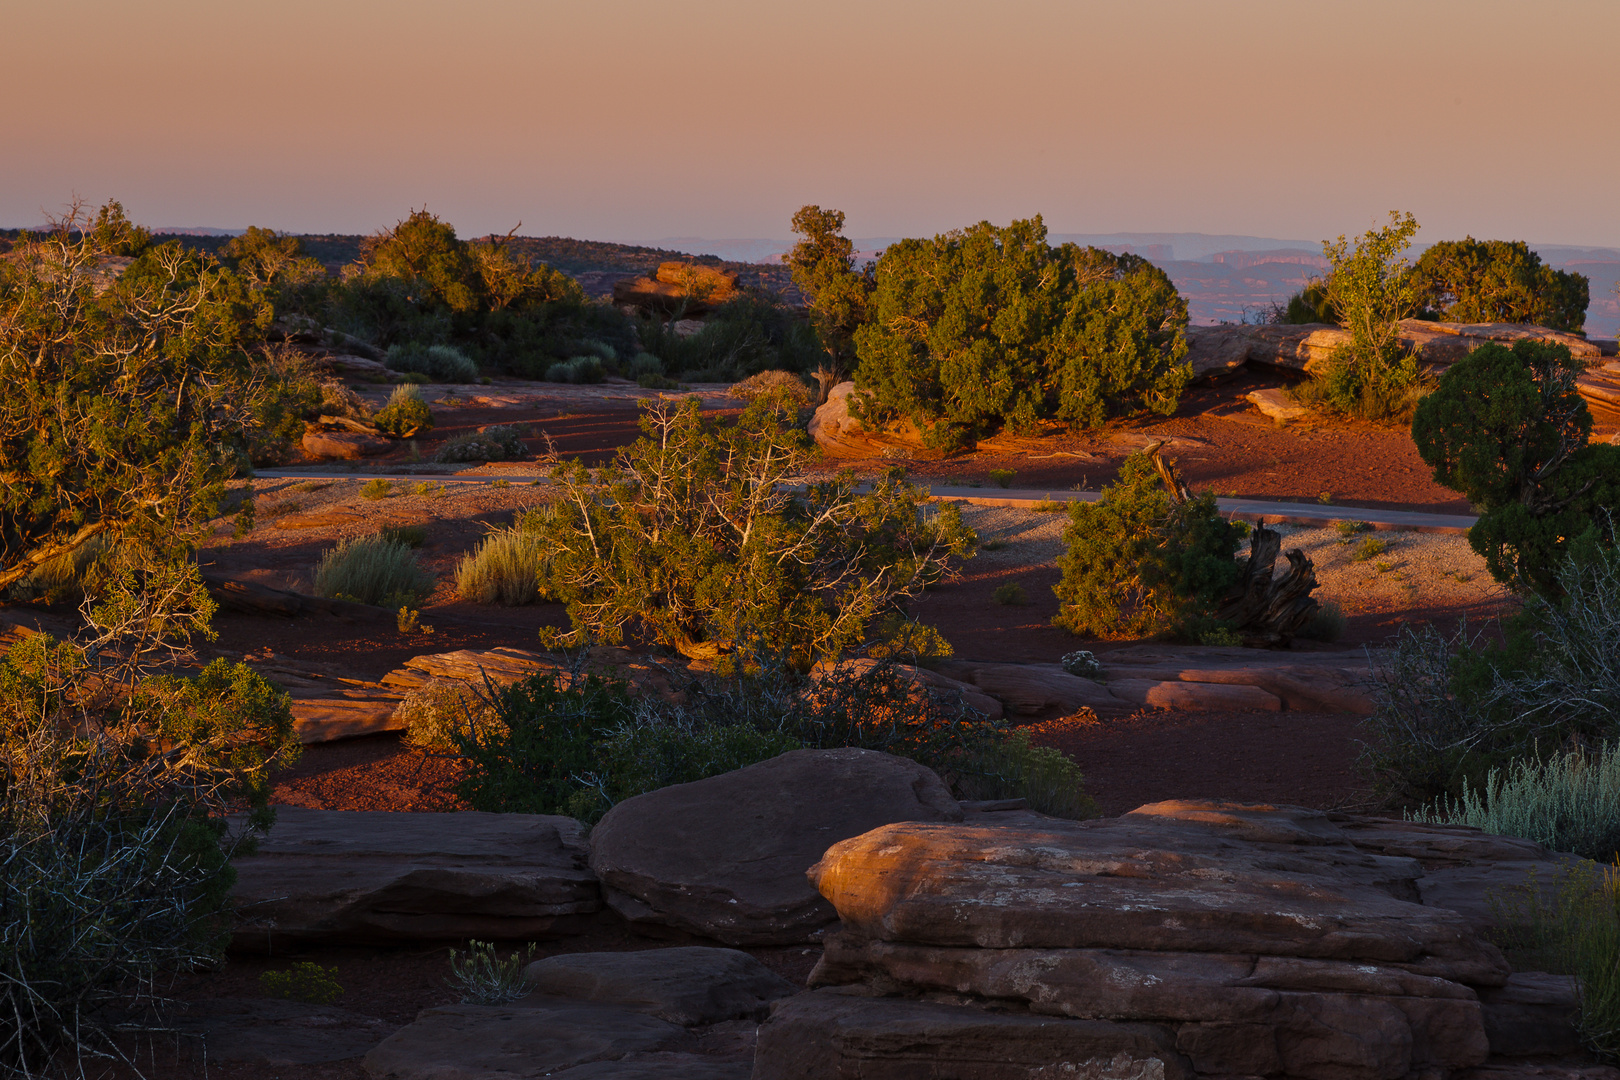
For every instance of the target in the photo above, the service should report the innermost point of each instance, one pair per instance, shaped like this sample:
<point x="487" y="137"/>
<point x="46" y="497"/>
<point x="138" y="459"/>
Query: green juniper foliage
<point x="1507" y="428"/>
<point x="694" y="538"/>
<point x="1478" y="281"/>
<point x="989" y="327"/>
<point x="1137" y="563"/>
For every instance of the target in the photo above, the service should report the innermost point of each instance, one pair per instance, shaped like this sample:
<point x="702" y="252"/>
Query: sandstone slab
<point x="319" y="720"/>
<point x="534" y="1037"/>
<point x="725" y="857"/>
<point x="343" y="445"/>
<point x="689" y="986"/>
<point x="274" y="1032"/>
<point x="1277" y="405"/>
<point x="1263" y="938"/>
<point x="1194" y="695"/>
<point x="825" y="1034"/>
<point x="376" y="877"/>
<point x="1033" y="689"/>
<point x="1338" y="681"/>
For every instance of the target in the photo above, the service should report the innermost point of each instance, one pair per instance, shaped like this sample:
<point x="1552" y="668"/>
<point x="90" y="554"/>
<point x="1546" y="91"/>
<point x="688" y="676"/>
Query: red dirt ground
<point x="1303" y="758"/>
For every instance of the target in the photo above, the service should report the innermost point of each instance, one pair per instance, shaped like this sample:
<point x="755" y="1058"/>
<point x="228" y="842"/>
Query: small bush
<point x="1571" y="926"/>
<point x="653" y="381"/>
<point x="427" y="489"/>
<point x="306" y="982"/>
<point x="1137" y="564"/>
<point x="508" y="568"/>
<point x="1348" y="529"/>
<point x="1011" y="594"/>
<point x="435" y="713"/>
<point x="791" y="388"/>
<point x="580" y="369"/>
<point x="1220" y="637"/>
<point x="482" y="978"/>
<point x="909" y="641"/>
<point x="441" y="363"/>
<point x="1050" y="506"/>
<point x="409" y="535"/>
<point x="376" y="489"/>
<point x="406" y="414"/>
<point x="1570" y="802"/>
<point x="1083" y="663"/>
<point x="1002" y="477"/>
<point x="373" y="570"/>
<point x="1370" y="548"/>
<point x="498" y="442"/>
<point x="1327" y="623"/>
<point x="1046" y="778"/>
<point x="645" y="363"/>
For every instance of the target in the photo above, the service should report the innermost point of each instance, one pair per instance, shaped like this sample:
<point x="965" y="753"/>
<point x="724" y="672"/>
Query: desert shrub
<point x="62" y="579"/>
<point x="789" y="386"/>
<point x="1569" y="802"/>
<point x="1370" y="289"/>
<point x="1508" y="429"/>
<point x="409" y="535"/>
<point x="908" y="641"/>
<point x="373" y="570"/>
<point x="435" y="712"/>
<point x="508" y="568"/>
<point x="1327" y="623"/>
<point x="482" y="978"/>
<point x="1452" y="707"/>
<point x="738" y="339"/>
<point x="1046" y="778"/>
<point x="1137" y="563"/>
<point x="580" y="369"/>
<point x="643" y="364"/>
<point x="114" y="854"/>
<point x="1370" y="548"/>
<point x="375" y="490"/>
<point x="340" y="400"/>
<point x="127" y="407"/>
<point x="987" y="328"/>
<point x="1570" y="926"/>
<point x="694" y="538"/>
<point x="307" y="982"/>
<point x="1002" y="477"/>
<point x="498" y="442"/>
<point x="1082" y="662"/>
<point x="1310" y="305"/>
<point x="577" y="743"/>
<point x="1498" y="281"/>
<point x="405" y="414"/>
<point x="1010" y="594"/>
<point x="440" y="363"/>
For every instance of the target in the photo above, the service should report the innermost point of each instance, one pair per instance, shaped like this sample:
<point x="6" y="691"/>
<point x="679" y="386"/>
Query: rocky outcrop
<point x="1195" y="676"/>
<point x="841" y="435"/>
<point x="724" y="857"/>
<point x="937" y="686"/>
<point x="690" y="986"/>
<point x="380" y="877"/>
<point x="1033" y="690"/>
<point x="343" y="445"/>
<point x="1250" y="940"/>
<point x="689" y="288"/>
<point x="1221" y="350"/>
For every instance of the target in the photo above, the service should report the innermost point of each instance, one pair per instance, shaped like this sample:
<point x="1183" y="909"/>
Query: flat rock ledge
<point x="1182" y="939"/>
<point x="376" y="877"/>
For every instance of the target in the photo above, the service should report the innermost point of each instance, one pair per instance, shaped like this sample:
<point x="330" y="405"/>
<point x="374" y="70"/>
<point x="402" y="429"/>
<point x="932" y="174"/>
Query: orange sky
<point x="633" y="120"/>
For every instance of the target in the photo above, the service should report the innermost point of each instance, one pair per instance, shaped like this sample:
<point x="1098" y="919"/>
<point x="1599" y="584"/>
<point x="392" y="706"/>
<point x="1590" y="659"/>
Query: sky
<point x="633" y="120"/>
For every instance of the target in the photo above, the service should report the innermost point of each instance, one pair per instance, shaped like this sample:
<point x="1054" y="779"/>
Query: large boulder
<point x="725" y="857"/>
<point x="1262" y="939"/>
<point x="841" y="435"/>
<point x="691" y="985"/>
<point x="331" y="876"/>
<point x="1033" y="689"/>
<point x="343" y="445"/>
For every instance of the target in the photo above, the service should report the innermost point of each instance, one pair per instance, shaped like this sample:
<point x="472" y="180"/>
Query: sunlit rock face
<point x="1184" y="937"/>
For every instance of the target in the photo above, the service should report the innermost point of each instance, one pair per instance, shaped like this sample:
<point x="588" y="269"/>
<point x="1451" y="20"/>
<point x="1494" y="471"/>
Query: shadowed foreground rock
<point x="1252" y="940"/>
<point x="379" y="877"/>
<point x="725" y="857"/>
<point x="690" y="986"/>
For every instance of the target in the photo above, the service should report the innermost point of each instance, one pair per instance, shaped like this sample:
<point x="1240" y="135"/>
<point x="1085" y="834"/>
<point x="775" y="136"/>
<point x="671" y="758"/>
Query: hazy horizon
<point x="719" y="118"/>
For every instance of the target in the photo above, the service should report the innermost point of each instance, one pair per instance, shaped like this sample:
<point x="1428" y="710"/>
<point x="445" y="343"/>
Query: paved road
<point x="1244" y="509"/>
